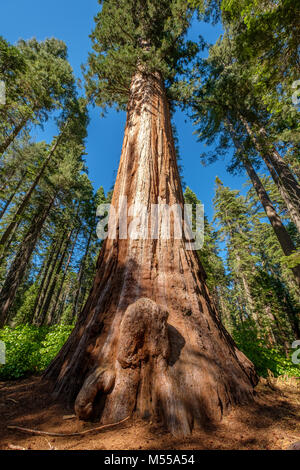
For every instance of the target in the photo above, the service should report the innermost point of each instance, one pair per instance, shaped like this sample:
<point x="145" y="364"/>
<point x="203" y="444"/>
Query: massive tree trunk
<point x="149" y="339"/>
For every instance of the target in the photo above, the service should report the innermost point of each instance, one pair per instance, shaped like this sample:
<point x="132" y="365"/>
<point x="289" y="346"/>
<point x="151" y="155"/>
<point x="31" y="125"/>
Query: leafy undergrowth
<point x="29" y="349"/>
<point x="266" y="359"/>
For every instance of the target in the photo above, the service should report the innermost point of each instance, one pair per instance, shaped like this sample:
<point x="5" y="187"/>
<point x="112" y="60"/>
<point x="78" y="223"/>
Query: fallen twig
<point x="50" y="445"/>
<point x="69" y="417"/>
<point x="12" y="447"/>
<point x="56" y="434"/>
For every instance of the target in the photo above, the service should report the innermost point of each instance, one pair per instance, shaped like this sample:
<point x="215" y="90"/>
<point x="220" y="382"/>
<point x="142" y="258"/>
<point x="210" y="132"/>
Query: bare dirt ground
<point x="272" y="421"/>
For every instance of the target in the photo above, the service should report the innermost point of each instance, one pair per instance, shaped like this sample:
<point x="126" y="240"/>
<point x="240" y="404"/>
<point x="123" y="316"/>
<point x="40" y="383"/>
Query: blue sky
<point x="72" y="21"/>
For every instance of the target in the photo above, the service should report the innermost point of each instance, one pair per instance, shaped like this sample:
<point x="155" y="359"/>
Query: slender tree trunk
<point x="48" y="263"/>
<point x="294" y="214"/>
<point x="270" y="325"/>
<point x="225" y="313"/>
<point x="4" y="146"/>
<point x="281" y="233"/>
<point x="5" y="178"/>
<point x="38" y="312"/>
<point x="9" y="200"/>
<point x="293" y="316"/>
<point x="284" y="172"/>
<point x="4" y="250"/>
<point x="248" y="297"/>
<point x="18" y="267"/>
<point x="62" y="305"/>
<point x="149" y="340"/>
<point x="80" y="276"/>
<point x="293" y="162"/>
<point x="45" y="309"/>
<point x="28" y="194"/>
<point x="271" y="156"/>
<point x="54" y="315"/>
<point x="293" y="209"/>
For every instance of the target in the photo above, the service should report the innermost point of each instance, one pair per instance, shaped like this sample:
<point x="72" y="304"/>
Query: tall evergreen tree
<point x="149" y="339"/>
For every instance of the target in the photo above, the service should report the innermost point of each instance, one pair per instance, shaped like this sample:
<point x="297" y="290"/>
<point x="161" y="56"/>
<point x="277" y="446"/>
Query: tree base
<point x="149" y="377"/>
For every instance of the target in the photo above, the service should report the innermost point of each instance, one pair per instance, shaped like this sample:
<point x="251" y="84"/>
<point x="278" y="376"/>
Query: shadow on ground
<point x="272" y="421"/>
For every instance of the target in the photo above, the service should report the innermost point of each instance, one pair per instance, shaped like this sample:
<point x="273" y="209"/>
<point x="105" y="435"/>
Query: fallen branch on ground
<point x="12" y="400"/>
<point x="55" y="434"/>
<point x="12" y="447"/>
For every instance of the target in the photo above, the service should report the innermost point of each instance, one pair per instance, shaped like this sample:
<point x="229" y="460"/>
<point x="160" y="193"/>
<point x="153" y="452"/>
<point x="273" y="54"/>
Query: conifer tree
<point x="149" y="339"/>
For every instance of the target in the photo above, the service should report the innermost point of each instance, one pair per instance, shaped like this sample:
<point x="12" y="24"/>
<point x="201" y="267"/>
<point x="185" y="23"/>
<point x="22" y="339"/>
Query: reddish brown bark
<point x="149" y="339"/>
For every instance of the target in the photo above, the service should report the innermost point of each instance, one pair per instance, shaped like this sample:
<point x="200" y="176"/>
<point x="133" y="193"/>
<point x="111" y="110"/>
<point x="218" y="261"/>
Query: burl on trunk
<point x="149" y="340"/>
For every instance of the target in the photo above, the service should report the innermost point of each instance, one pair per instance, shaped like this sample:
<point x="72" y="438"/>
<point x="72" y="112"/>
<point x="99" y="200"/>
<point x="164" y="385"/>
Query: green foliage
<point x="247" y="78"/>
<point x="56" y="337"/>
<point x="209" y="253"/>
<point x="267" y="37"/>
<point x="11" y="60"/>
<point x="265" y="359"/>
<point x="24" y="312"/>
<point x="23" y="345"/>
<point x="38" y="80"/>
<point x="292" y="260"/>
<point x="29" y="349"/>
<point x="129" y="33"/>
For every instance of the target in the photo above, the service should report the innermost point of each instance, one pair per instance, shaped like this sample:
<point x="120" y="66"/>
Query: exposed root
<point x="102" y="379"/>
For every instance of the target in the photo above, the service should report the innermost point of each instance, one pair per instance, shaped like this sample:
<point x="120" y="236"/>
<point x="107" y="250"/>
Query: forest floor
<point x="272" y="421"/>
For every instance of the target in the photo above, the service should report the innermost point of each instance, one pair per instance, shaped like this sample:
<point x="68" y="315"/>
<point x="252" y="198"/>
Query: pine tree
<point x="227" y="109"/>
<point x="259" y="278"/>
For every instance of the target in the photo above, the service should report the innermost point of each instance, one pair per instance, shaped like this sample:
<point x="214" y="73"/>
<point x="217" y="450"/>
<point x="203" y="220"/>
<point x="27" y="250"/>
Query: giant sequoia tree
<point x="149" y="339"/>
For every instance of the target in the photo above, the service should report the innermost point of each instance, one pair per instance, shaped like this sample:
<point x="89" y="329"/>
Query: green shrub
<point x="264" y="358"/>
<point x="53" y="342"/>
<point x="23" y="345"/>
<point x="29" y="349"/>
